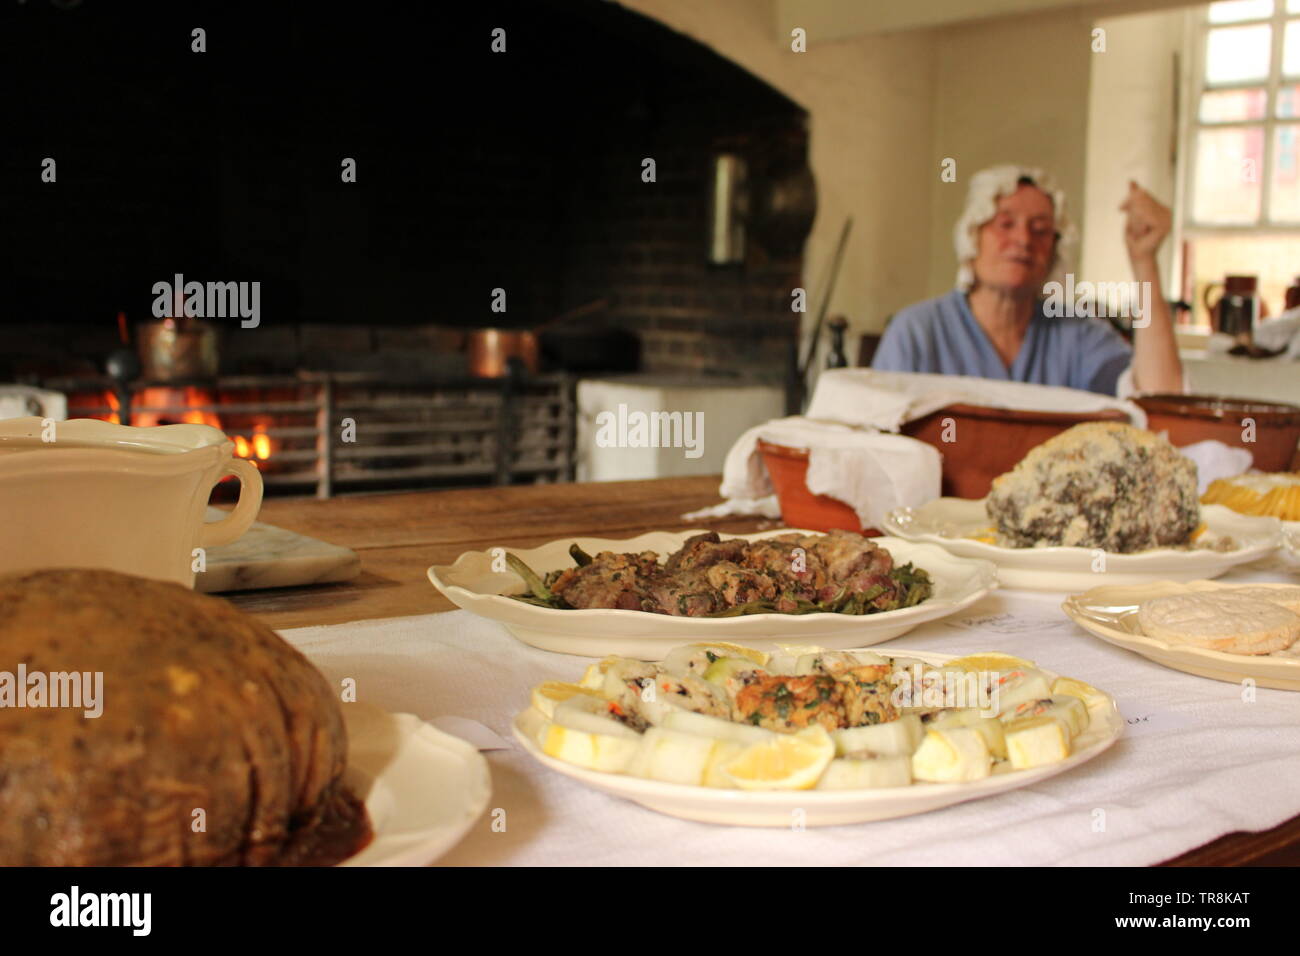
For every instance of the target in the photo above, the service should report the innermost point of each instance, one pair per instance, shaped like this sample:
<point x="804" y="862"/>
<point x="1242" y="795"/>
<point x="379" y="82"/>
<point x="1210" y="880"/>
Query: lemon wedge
<point x="988" y="662"/>
<point x="547" y="695"/>
<point x="1077" y="688"/>
<point x="724" y="751"/>
<point x="790" y="762"/>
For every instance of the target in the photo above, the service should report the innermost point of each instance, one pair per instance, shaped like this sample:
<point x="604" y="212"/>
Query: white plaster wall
<point x="1013" y="90"/>
<point x="1130" y="131"/>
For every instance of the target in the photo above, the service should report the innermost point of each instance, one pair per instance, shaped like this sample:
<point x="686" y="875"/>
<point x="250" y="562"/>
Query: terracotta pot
<point x="1192" y="418"/>
<point x="800" y="508"/>
<point x="983" y="443"/>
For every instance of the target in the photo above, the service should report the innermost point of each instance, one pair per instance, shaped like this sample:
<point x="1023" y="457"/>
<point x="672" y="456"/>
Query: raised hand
<point x="1147" y="224"/>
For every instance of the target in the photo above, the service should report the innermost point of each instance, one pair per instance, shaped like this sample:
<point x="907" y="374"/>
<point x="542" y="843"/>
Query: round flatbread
<point x="1220" y="621"/>
<point x="1288" y="597"/>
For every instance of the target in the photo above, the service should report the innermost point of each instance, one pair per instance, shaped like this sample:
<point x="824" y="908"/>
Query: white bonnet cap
<point x="986" y="188"/>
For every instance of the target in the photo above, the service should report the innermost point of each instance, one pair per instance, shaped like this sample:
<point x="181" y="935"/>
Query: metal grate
<point x="335" y="432"/>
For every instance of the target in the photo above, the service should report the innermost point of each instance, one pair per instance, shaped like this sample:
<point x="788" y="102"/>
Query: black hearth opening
<point x="481" y="177"/>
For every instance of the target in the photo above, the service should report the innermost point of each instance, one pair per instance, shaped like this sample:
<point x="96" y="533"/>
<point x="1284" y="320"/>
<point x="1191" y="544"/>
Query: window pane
<point x="1237" y="54"/>
<point x="1231" y="106"/>
<point x="1293" y="6"/>
<point x="1288" y="101"/>
<point x="1291" y="49"/>
<point x="1284" y="202"/>
<point x="1228" y="171"/>
<point x="1234" y="11"/>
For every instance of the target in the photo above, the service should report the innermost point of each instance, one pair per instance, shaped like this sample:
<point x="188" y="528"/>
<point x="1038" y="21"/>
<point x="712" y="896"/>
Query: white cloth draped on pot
<point x="854" y="453"/>
<point x="871" y="471"/>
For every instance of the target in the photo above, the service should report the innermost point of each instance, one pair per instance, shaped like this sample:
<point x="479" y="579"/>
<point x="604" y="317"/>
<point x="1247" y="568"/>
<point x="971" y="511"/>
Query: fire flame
<point x="261" y="443"/>
<point x="259" y="448"/>
<point x="188" y="401"/>
<point x="188" y="405"/>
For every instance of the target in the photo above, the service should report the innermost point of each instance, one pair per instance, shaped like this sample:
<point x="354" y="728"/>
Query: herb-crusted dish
<point x="1099" y="485"/>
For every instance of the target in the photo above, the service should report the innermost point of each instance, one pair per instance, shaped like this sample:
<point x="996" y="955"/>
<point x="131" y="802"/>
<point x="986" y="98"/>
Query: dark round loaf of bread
<point x="216" y="742"/>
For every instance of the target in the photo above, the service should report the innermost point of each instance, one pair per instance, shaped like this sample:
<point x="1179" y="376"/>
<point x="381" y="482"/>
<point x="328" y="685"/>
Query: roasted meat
<point x="793" y="573"/>
<point x="704" y="550"/>
<point x="610" y="580"/>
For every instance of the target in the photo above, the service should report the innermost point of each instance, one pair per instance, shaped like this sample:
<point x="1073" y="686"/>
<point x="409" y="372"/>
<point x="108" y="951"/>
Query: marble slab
<point x="271" y="557"/>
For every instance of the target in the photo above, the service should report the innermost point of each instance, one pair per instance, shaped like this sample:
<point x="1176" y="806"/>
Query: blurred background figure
<point x="1013" y="239"/>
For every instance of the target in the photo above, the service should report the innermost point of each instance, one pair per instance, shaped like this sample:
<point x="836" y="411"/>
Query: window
<point x="1245" y="148"/>
<point x="1242" y="195"/>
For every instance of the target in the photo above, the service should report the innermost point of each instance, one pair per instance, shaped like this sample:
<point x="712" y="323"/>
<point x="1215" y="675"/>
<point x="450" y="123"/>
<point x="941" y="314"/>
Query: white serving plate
<point x="422" y="788"/>
<point x="1111" y="613"/>
<point x="471" y="584"/>
<point x="947" y="522"/>
<point x="1291" y="542"/>
<point x="787" y="808"/>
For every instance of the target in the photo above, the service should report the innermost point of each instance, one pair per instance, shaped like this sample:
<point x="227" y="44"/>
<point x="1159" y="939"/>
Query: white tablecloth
<point x="1195" y="763"/>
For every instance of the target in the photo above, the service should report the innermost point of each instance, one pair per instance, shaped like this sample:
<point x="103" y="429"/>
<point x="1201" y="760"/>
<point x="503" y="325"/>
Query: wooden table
<point x="399" y="535"/>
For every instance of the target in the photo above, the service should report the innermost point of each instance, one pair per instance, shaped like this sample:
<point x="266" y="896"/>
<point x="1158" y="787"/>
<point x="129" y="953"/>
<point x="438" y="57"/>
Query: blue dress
<point x="942" y="336"/>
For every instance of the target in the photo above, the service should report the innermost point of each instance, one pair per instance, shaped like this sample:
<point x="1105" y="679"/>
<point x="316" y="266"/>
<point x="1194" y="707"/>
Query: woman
<point x="996" y="323"/>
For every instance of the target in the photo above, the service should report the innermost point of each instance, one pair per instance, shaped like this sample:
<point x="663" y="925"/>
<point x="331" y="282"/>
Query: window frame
<point x="1195" y="86"/>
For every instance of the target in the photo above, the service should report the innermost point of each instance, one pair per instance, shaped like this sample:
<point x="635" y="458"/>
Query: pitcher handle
<point x="229" y="528"/>
<point x="1205" y="296"/>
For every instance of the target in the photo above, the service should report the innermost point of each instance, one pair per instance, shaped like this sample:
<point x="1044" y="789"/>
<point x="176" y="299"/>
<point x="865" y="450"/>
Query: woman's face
<point x="1016" y="246"/>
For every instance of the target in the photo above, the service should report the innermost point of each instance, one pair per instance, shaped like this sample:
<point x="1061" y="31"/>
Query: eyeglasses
<point x="1041" y="231"/>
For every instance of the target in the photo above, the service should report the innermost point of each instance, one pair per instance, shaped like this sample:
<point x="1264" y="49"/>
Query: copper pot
<point x="174" y="350"/>
<point x="490" y="351"/>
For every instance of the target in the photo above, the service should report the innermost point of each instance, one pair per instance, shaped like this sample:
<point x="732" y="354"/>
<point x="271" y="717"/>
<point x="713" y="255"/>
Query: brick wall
<point x="645" y="246"/>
